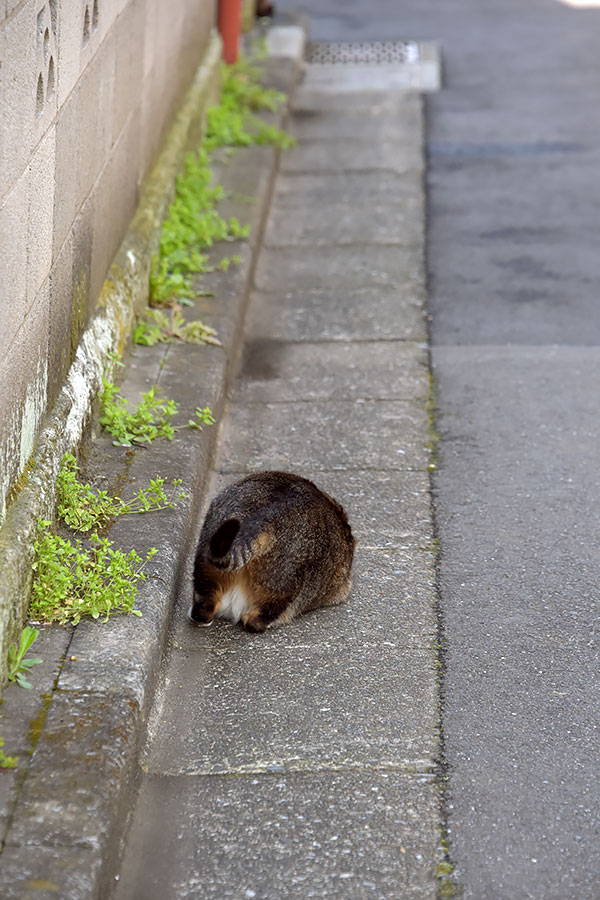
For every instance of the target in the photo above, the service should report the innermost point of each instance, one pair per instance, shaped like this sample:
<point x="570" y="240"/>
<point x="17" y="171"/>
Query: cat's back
<point x="302" y="512"/>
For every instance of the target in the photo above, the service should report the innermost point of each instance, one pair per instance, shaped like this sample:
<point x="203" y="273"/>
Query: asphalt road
<point x="514" y="201"/>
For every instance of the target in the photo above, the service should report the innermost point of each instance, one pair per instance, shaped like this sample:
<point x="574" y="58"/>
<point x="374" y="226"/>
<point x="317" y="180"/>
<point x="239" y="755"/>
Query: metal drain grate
<point x="362" y="52"/>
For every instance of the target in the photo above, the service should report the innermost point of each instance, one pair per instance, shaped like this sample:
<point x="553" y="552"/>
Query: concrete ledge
<point x="286" y="40"/>
<point x="69" y="808"/>
<point x="124" y="292"/>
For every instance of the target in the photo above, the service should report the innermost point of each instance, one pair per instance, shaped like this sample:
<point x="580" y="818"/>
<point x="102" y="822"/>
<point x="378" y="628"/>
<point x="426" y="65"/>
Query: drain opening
<point x="370" y="52"/>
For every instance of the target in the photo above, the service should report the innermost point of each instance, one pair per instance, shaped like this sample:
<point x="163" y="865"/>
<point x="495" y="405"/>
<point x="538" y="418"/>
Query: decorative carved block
<point x="47" y="56"/>
<point x="91" y="18"/>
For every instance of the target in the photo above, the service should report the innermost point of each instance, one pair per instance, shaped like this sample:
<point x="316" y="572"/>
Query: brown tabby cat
<point x="272" y="546"/>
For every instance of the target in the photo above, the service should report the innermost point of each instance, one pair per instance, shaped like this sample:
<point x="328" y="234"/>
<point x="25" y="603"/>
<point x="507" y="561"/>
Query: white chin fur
<point x="234" y="603"/>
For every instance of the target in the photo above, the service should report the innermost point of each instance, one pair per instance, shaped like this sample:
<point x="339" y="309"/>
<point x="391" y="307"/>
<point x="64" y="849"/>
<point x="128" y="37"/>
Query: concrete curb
<point x="124" y="292"/>
<point x="64" y="833"/>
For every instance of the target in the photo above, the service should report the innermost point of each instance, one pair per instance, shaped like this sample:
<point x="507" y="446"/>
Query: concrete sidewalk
<point x="329" y="725"/>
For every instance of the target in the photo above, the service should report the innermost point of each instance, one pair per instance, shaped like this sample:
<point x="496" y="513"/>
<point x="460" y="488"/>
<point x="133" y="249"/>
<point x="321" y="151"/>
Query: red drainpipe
<point x="230" y="15"/>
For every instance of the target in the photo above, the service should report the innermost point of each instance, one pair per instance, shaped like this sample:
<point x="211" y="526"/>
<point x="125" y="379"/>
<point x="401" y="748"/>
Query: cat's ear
<point x="222" y="539"/>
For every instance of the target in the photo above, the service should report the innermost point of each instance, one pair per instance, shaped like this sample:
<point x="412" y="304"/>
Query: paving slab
<point x="382" y="434"/>
<point x="332" y="705"/>
<point x="387" y="509"/>
<point x="61" y="830"/>
<point x="67" y="871"/>
<point x="101" y="724"/>
<point x="369" y="313"/>
<point x="247" y="175"/>
<point x="384" y="118"/>
<point x="354" y="835"/>
<point x="365" y="133"/>
<point x="276" y="370"/>
<point x="391" y="601"/>
<point x="359" y="266"/>
<point x="22" y="714"/>
<point x="372" y="101"/>
<point x="125" y="648"/>
<point x="334" y="155"/>
<point x="423" y="75"/>
<point x="390" y="204"/>
<point x="224" y="306"/>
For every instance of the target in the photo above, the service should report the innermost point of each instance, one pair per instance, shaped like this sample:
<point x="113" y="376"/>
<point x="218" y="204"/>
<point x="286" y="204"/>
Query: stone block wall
<point x="88" y="89"/>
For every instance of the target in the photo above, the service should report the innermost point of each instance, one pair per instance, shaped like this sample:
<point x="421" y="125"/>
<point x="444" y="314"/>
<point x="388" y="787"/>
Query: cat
<point x="272" y="546"/>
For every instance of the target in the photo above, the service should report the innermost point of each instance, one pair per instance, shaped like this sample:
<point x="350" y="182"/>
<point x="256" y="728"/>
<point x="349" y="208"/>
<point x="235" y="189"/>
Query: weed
<point x="434" y="547"/>
<point x="20" y="482"/>
<point x="193" y="224"/>
<point x="203" y="417"/>
<point x="228" y="261"/>
<point x="168" y="287"/>
<point x="83" y="509"/>
<point x="233" y="122"/>
<point x="157" y="326"/>
<point x="434" y="438"/>
<point x="191" y="227"/>
<point x="113" y="359"/>
<point x="444" y="868"/>
<point x="17" y="664"/>
<point x="71" y="581"/>
<point x="149" y="420"/>
<point x="7" y="762"/>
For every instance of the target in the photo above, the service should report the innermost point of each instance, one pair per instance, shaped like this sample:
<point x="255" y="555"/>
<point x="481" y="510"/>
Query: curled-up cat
<point x="272" y="546"/>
